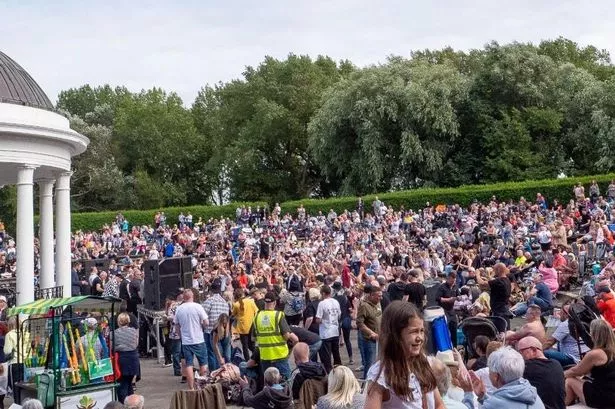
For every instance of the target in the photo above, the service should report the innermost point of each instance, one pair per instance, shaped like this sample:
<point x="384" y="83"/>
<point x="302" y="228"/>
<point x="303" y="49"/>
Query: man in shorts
<point x="190" y="320"/>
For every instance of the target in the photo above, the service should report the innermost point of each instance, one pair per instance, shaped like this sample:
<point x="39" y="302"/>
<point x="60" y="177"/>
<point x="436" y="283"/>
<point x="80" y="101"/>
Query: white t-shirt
<point x="329" y="312"/>
<point x="190" y="317"/>
<point x="395" y="402"/>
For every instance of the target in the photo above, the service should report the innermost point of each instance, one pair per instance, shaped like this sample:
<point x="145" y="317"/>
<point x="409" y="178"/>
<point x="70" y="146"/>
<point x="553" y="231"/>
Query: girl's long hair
<point x="395" y="319"/>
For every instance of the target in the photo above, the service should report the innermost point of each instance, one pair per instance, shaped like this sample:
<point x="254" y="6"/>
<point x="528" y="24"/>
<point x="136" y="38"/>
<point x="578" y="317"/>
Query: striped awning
<point x="82" y="303"/>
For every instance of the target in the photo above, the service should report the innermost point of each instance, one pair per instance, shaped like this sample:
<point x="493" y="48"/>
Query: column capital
<point x="45" y="186"/>
<point x="27" y="166"/>
<point x="63" y="180"/>
<point x="25" y="174"/>
<point x="65" y="173"/>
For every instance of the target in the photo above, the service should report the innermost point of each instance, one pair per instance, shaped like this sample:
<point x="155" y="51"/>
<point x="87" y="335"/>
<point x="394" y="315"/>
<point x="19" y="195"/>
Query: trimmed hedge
<point x="95" y="220"/>
<point x="560" y="189"/>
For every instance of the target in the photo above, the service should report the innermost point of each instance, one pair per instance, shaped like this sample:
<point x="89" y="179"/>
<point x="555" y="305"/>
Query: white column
<point x="25" y="234"/>
<point x="45" y="233"/>
<point x="63" y="253"/>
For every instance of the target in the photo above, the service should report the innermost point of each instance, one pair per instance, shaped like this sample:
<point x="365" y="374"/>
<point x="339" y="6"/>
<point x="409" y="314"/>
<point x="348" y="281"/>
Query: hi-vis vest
<point x="271" y="344"/>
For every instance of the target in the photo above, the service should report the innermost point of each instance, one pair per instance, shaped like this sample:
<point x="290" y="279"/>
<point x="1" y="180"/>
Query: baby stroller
<point x="473" y="327"/>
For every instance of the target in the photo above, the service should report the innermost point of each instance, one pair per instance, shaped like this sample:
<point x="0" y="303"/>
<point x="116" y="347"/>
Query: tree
<point x="261" y="123"/>
<point x="97" y="176"/>
<point x="388" y="126"/>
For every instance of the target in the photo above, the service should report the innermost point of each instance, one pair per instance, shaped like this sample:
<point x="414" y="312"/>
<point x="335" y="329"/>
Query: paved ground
<point x="158" y="383"/>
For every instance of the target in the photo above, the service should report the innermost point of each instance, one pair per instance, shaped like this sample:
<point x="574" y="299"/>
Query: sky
<point x="184" y="45"/>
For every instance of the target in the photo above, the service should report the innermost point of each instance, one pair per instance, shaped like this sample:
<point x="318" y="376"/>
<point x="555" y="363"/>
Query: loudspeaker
<point x="164" y="278"/>
<point x="170" y="266"/>
<point x="187" y="272"/>
<point x="151" y="285"/>
<point x="168" y="287"/>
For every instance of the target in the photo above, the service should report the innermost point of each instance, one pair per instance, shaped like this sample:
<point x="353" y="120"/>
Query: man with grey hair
<point x="506" y="368"/>
<point x="32" y="404"/>
<point x="273" y="396"/>
<point x="134" y="402"/>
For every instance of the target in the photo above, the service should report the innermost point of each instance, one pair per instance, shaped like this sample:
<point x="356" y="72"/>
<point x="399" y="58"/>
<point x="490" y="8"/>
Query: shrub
<point x="560" y="189"/>
<point x="95" y="220"/>
<point x="551" y="189"/>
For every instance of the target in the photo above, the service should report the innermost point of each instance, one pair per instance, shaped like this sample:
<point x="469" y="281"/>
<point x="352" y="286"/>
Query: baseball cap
<point x="2" y="298"/>
<point x="271" y="296"/>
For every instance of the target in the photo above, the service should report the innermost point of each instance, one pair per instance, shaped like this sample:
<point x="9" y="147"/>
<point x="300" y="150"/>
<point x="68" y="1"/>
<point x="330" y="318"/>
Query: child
<point x="480" y="349"/>
<point x="464" y="300"/>
<point x="402" y="383"/>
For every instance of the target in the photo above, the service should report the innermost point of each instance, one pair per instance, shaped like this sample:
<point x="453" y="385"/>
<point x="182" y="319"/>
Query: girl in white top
<point x="402" y="378"/>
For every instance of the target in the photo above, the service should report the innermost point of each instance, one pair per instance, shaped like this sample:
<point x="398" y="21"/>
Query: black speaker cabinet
<point x="163" y="278"/>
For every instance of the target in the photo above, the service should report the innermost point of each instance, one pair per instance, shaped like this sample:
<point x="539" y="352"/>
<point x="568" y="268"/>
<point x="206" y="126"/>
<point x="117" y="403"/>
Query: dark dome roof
<point x="18" y="87"/>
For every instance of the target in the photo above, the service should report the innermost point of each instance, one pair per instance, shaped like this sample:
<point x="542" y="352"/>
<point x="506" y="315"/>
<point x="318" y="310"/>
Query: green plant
<point x="560" y="189"/>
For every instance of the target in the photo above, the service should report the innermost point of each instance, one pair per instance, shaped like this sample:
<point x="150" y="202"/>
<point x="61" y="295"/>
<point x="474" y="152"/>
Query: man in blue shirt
<point x="169" y="249"/>
<point x="540" y="295"/>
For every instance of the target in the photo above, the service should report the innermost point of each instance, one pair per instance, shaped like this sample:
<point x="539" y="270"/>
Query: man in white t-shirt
<point x="328" y="317"/>
<point x="190" y="320"/>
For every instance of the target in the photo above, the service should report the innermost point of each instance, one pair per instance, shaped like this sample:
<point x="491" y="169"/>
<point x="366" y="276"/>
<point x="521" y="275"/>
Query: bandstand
<point x="36" y="146"/>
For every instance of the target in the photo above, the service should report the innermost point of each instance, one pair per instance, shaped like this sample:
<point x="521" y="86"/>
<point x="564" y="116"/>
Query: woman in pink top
<point x="549" y="275"/>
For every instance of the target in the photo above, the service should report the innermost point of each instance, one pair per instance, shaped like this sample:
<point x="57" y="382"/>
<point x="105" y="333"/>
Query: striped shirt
<point x="215" y="306"/>
<point x="126" y="339"/>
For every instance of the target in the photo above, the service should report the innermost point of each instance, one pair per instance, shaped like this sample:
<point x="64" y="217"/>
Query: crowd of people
<point x="269" y="285"/>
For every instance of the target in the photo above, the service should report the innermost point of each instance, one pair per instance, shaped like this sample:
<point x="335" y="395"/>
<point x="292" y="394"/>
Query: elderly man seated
<point x="506" y="368"/>
<point x="273" y="396"/>
<point x="533" y="327"/>
<point x="134" y="402"/>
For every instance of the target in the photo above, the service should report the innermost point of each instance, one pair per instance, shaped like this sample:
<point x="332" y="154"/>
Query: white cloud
<point x="183" y="45"/>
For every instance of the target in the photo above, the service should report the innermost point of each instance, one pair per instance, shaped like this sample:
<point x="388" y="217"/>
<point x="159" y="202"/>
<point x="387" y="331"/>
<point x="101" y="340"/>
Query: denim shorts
<point x="189" y="352"/>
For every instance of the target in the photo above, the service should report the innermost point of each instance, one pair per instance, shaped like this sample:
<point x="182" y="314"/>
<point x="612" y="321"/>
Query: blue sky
<point x="183" y="45"/>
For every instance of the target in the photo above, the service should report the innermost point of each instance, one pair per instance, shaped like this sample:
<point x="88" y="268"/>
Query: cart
<point x="61" y="359"/>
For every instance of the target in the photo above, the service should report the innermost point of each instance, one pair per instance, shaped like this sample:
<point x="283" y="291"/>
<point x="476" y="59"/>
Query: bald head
<point x="301" y="352"/>
<point x="134" y="402"/>
<point x="530" y="348"/>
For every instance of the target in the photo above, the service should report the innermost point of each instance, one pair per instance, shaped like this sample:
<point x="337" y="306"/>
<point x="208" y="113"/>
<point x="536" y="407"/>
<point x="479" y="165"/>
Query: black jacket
<point x="75" y="283"/>
<point x="268" y="398"/>
<point x="305" y="371"/>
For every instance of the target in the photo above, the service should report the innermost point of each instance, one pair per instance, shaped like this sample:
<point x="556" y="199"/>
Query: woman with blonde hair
<point x="344" y="391"/>
<point x="599" y="363"/>
<point x="126" y="340"/>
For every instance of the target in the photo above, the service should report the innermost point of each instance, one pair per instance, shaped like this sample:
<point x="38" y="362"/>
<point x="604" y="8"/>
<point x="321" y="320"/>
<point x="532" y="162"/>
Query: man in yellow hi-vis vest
<point x="272" y="333"/>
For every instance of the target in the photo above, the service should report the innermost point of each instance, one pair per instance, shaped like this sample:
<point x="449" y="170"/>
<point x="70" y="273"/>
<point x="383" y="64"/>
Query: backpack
<point x="297" y="303"/>
<point x="580" y="318"/>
